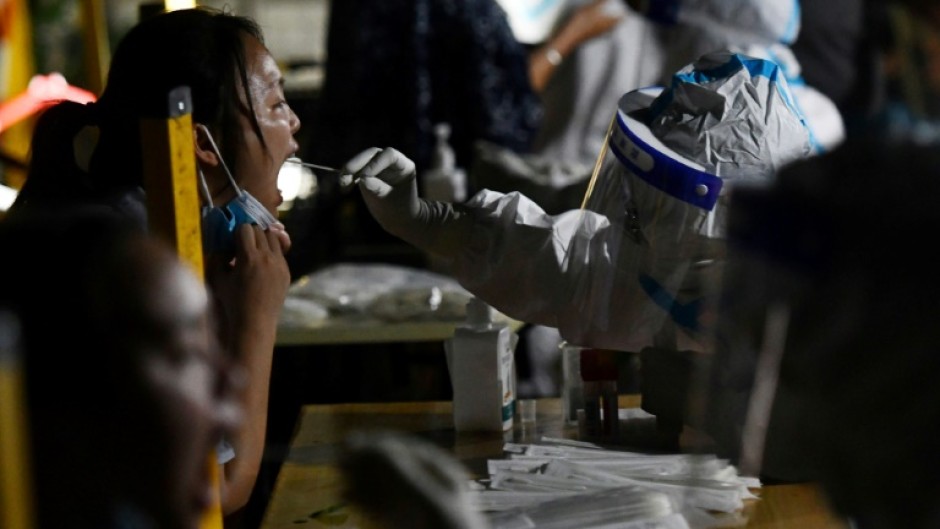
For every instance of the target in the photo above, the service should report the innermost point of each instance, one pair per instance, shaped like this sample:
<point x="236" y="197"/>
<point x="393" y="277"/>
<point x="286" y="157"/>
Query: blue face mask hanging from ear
<point x="219" y="222"/>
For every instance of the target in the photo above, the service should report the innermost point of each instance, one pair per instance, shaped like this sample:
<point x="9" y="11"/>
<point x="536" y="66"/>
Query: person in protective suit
<point x="629" y="270"/>
<point x="828" y="322"/>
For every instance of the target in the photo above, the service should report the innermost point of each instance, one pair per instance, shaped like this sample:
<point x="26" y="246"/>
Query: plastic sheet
<point x="381" y="292"/>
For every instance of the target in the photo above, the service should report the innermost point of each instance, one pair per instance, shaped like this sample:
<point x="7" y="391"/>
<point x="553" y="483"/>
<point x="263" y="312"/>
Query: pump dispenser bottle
<point x="481" y="361"/>
<point x="444" y="181"/>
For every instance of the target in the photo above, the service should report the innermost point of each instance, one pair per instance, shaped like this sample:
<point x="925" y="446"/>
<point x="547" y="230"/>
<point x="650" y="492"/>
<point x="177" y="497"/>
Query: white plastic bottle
<point x="444" y="181"/>
<point x="481" y="361"/>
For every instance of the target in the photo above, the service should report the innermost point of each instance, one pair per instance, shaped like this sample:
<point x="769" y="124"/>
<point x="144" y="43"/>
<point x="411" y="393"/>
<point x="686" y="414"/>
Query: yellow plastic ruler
<point x="169" y="159"/>
<point x="17" y="510"/>
<point x="95" y="40"/>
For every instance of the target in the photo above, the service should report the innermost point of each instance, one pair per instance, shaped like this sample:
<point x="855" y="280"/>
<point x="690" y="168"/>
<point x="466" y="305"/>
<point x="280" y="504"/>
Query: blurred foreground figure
<point x="832" y="277"/>
<point x="127" y="391"/>
<point x="400" y="481"/>
<point x="91" y="157"/>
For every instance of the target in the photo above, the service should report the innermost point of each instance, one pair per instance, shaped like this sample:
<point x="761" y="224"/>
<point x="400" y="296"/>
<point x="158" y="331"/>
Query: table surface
<point x="307" y="492"/>
<point x="356" y="330"/>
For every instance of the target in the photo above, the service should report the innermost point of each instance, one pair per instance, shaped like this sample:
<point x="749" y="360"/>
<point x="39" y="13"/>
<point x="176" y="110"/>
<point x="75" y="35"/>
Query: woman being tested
<point x="91" y="156"/>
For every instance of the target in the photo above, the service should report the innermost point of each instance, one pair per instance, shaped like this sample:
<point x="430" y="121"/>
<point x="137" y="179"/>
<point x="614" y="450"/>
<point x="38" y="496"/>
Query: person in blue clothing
<point x="396" y="69"/>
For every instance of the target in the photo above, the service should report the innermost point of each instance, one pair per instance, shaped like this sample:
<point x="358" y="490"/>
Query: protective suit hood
<point x="732" y="114"/>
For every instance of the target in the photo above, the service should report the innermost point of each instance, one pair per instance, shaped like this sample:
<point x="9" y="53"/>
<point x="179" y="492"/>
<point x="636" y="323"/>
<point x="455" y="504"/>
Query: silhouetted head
<point x="127" y="391"/>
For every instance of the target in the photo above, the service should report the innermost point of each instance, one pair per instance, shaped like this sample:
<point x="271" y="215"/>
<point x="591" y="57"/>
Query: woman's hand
<point x="587" y="22"/>
<point x="282" y="235"/>
<point x="250" y="289"/>
<point x="249" y="292"/>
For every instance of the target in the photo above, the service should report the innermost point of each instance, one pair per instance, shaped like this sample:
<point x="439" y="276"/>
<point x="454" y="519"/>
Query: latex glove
<point x="389" y="187"/>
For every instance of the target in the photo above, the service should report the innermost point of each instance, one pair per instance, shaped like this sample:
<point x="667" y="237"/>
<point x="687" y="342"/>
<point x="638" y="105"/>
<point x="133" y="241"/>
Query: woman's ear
<point x="205" y="147"/>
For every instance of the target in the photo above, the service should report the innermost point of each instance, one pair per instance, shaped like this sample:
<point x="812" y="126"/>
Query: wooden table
<point x="307" y="491"/>
<point x="357" y="330"/>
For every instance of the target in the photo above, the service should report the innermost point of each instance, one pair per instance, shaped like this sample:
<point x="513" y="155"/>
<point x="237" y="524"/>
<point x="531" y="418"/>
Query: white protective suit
<point x="758" y="28"/>
<point x="610" y="275"/>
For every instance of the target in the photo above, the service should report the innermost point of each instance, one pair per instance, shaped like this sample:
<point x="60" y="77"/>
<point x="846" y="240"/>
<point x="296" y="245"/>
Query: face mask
<point x="219" y="222"/>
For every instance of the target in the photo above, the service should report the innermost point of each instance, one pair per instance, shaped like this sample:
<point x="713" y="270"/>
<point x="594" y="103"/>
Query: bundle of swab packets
<point x="571" y="484"/>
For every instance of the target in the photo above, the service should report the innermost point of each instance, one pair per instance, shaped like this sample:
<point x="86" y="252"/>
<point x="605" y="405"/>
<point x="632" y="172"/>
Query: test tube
<point x="601" y="407"/>
<point x="572" y="388"/>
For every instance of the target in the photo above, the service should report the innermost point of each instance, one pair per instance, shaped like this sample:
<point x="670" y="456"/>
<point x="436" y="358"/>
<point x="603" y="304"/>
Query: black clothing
<point x="395" y="68"/>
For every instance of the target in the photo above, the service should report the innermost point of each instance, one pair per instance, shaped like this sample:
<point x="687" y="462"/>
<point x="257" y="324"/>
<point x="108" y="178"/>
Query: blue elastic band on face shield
<point x="670" y="176"/>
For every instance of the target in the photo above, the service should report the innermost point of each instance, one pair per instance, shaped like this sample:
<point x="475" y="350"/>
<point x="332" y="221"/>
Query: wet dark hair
<point x="201" y="48"/>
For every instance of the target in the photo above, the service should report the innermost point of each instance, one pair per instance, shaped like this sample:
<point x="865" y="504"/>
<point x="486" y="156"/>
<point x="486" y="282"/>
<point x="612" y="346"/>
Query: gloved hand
<point x="389" y="187"/>
<point x="387" y="180"/>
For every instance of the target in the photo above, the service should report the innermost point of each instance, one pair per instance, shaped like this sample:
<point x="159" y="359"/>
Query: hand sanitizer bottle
<point x="481" y="361"/>
<point x="444" y="181"/>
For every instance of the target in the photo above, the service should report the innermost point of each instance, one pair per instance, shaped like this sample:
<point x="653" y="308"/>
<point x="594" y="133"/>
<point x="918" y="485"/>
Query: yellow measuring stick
<point x="17" y="510"/>
<point x="169" y="158"/>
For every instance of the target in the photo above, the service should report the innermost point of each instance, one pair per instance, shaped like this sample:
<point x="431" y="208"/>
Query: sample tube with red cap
<point x="599" y="373"/>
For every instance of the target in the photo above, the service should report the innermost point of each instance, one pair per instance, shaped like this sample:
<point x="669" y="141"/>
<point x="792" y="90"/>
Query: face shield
<point x="652" y="220"/>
